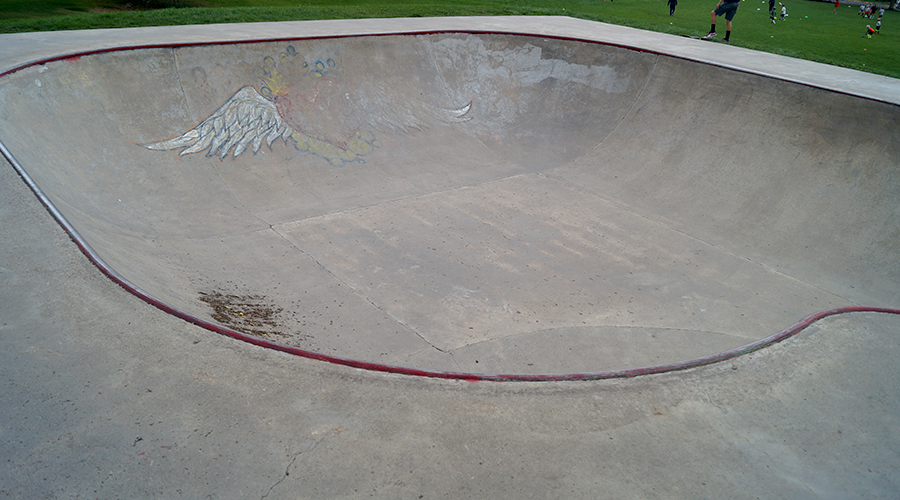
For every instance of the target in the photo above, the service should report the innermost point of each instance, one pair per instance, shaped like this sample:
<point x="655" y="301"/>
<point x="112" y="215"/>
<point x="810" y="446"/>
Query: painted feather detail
<point x="246" y="120"/>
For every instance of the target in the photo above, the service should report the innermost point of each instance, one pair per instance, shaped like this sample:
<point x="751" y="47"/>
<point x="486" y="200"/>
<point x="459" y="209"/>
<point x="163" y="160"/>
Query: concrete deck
<point x="599" y="208"/>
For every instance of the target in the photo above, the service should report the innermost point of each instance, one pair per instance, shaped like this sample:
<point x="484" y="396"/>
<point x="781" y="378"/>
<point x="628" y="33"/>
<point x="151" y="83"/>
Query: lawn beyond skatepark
<point x="811" y="30"/>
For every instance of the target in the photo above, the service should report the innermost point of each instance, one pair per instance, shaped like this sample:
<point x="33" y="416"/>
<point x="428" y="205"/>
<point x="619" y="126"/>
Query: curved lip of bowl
<point x="385" y="368"/>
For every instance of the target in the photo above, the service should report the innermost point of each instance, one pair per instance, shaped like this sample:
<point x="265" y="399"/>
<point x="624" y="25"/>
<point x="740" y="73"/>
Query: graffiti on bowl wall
<point x="312" y="106"/>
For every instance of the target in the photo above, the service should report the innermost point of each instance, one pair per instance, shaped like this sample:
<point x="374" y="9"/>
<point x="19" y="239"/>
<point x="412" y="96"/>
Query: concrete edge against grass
<point x="23" y="49"/>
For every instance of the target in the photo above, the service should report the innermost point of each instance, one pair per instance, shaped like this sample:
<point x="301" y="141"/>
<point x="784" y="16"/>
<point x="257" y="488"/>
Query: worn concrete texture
<point x="596" y="208"/>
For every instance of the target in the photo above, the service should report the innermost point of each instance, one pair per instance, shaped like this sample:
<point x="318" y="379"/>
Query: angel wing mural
<point x="311" y="107"/>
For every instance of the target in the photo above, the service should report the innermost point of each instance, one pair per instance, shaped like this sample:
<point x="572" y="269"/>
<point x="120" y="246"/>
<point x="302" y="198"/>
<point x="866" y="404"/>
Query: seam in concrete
<point x="625" y="115"/>
<point x="358" y="292"/>
<point x="689" y="330"/>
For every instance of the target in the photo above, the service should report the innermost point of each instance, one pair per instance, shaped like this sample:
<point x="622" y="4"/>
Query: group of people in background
<point x="772" y="11"/>
<point x="728" y="8"/>
<point x="868" y="11"/>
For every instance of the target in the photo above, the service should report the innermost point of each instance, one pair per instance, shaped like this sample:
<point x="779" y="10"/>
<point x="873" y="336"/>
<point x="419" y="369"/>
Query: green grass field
<point x="811" y="31"/>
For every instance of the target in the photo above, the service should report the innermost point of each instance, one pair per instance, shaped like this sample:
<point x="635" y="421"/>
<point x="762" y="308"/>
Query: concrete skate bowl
<point x="465" y="204"/>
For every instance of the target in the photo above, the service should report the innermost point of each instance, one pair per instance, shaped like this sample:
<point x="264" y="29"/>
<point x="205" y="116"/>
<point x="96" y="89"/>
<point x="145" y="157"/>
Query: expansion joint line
<point x="357" y="291"/>
<point x="627" y="113"/>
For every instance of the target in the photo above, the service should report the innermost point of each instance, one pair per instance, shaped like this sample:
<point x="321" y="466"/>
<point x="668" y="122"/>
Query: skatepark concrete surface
<point x="466" y="196"/>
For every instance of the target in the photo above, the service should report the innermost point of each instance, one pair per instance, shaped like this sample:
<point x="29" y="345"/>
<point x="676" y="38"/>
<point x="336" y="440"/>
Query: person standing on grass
<point x="672" y="4"/>
<point x="728" y="8"/>
<point x="772" y="11"/>
<point x="837" y="3"/>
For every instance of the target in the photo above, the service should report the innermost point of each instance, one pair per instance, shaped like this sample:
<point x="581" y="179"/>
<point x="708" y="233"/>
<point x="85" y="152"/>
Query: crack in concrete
<point x="287" y="470"/>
